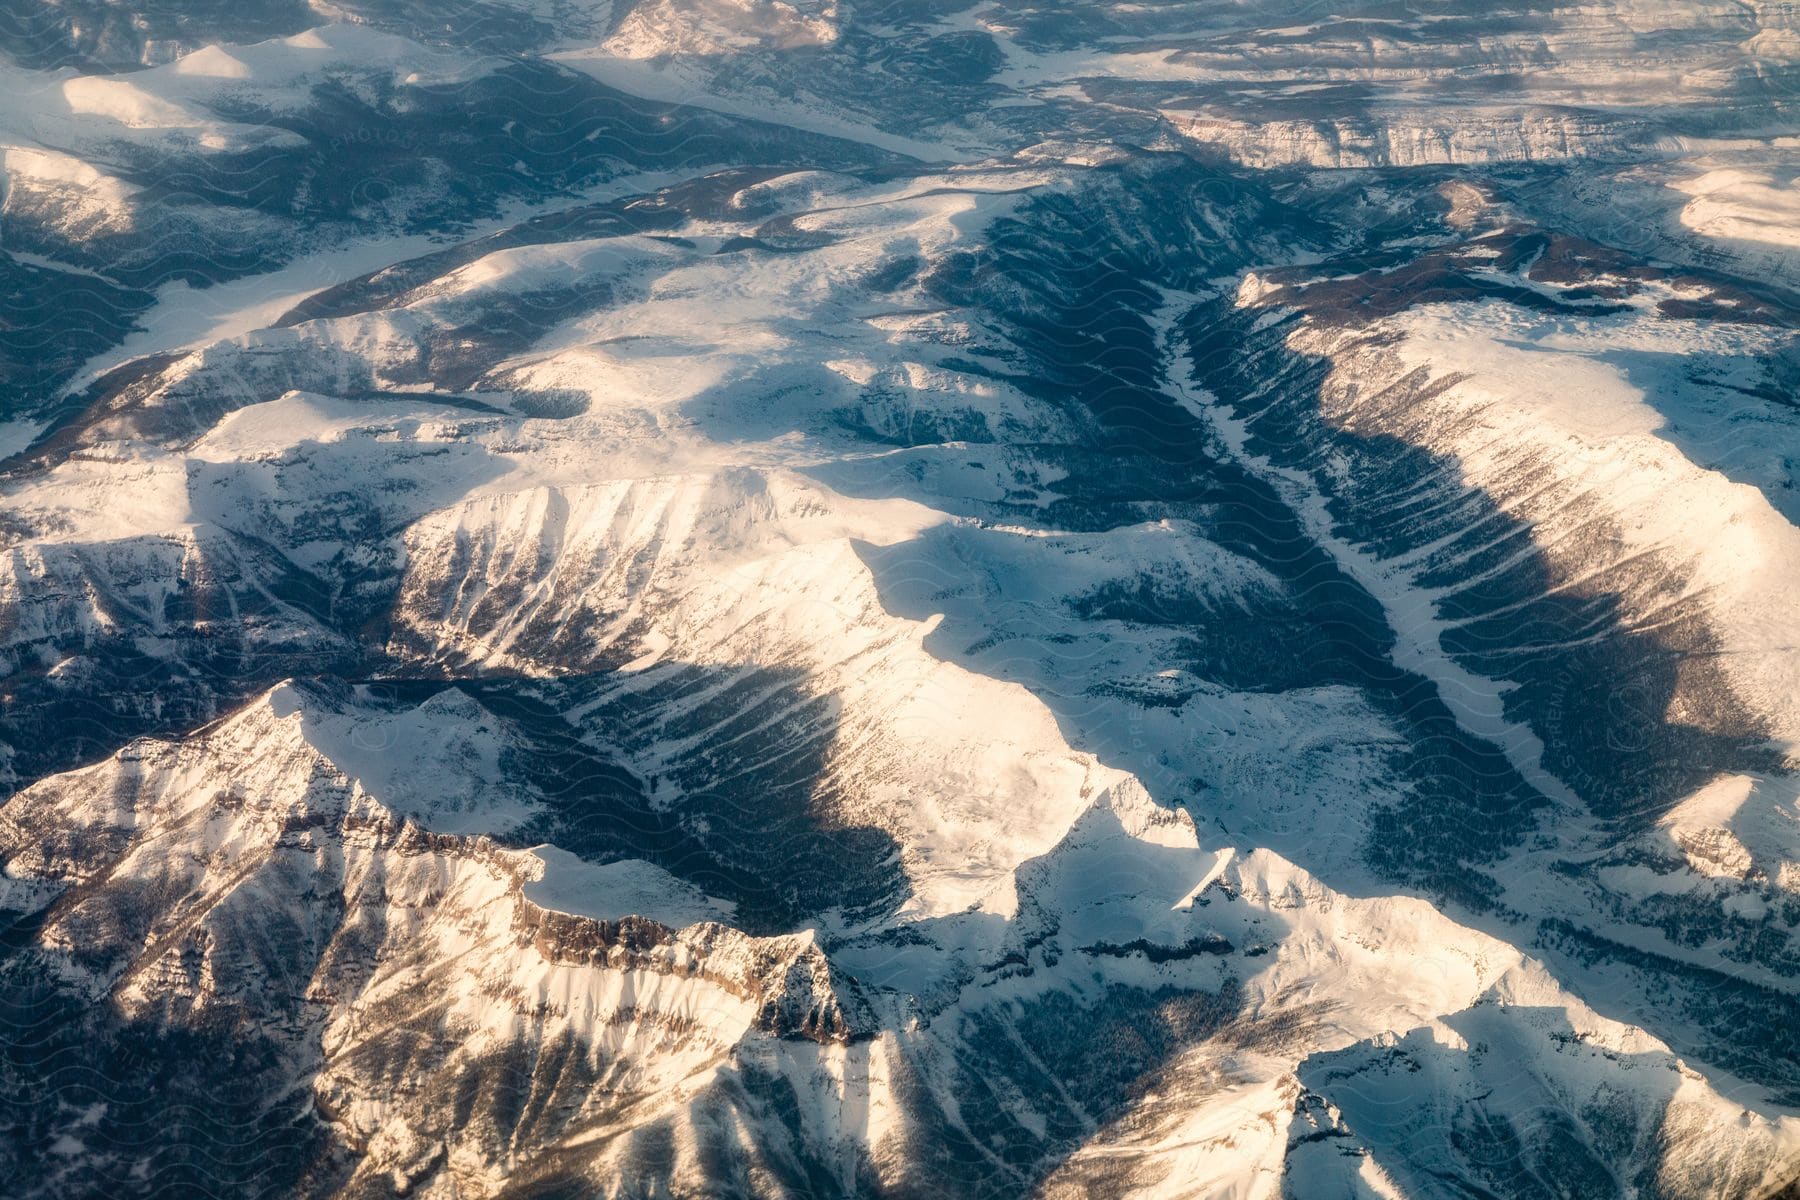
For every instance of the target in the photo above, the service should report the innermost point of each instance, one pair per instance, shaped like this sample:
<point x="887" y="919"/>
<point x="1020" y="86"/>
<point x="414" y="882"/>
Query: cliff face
<point x="405" y="983"/>
<point x="398" y="1009"/>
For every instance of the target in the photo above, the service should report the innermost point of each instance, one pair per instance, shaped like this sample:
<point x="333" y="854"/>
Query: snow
<point x="213" y="62"/>
<point x="91" y="200"/>
<point x="655" y="28"/>
<point x="439" y="763"/>
<point x="17" y="434"/>
<point x="125" y="102"/>
<point x="1743" y="205"/>
<point x="756" y="484"/>
<point x="627" y="888"/>
<point x="1599" y="396"/>
<point x="280" y="74"/>
<point x="675" y="83"/>
<point x="186" y="318"/>
<point x="1478" y="704"/>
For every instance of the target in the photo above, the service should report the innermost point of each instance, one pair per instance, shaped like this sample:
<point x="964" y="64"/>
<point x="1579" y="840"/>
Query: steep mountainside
<point x="818" y="599"/>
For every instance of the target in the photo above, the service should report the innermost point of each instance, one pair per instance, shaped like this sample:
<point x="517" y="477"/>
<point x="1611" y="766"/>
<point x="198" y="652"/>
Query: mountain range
<point x="900" y="598"/>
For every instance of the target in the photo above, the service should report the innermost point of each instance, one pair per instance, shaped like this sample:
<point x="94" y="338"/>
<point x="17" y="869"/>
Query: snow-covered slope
<point x="388" y="964"/>
<point x="762" y="599"/>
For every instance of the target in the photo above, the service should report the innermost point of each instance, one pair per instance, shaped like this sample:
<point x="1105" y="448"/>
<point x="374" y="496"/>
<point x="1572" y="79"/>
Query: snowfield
<point x="697" y="598"/>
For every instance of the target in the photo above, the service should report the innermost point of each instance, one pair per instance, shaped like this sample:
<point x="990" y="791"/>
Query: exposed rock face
<point x="240" y="879"/>
<point x="1420" y="139"/>
<point x="695" y="599"/>
<point x="714" y="27"/>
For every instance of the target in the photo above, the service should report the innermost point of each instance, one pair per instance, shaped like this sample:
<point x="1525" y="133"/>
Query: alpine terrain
<point x="900" y="598"/>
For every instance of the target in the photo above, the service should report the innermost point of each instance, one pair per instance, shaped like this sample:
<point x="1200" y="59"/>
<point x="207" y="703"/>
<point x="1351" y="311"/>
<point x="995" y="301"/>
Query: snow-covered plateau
<point x="934" y="598"/>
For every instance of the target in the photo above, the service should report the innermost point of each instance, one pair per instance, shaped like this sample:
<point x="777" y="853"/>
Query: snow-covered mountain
<point x="713" y="598"/>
